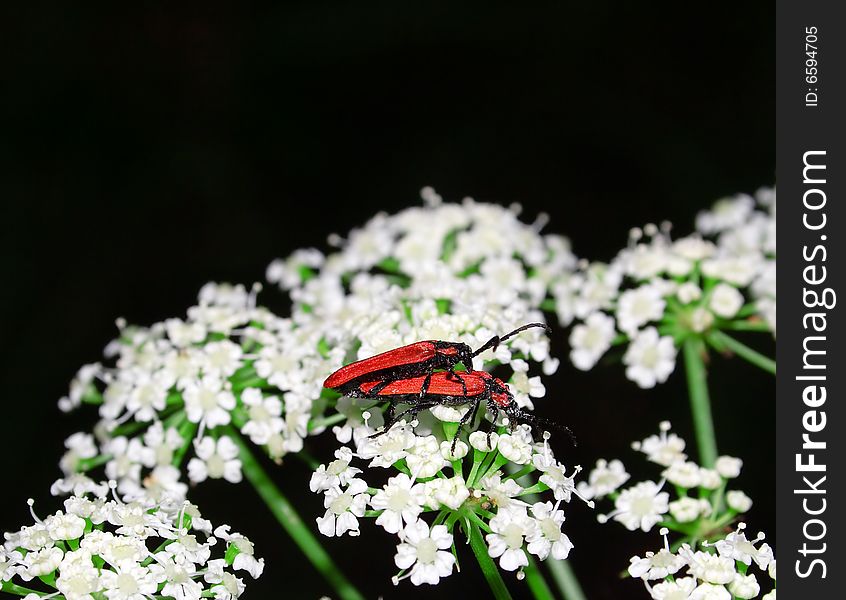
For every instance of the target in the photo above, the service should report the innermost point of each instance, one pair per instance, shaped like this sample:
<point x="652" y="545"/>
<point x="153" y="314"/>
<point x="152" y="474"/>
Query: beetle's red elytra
<point x="419" y="358"/>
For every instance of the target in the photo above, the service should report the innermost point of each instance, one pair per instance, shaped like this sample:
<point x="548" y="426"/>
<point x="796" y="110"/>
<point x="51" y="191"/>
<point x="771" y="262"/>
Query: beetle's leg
<point x="492" y="424"/>
<point x="453" y="375"/>
<point x="374" y="391"/>
<point x="389" y="421"/>
<point x="463" y="383"/>
<point x="389" y="416"/>
<point x="425" y="387"/>
<point x="469" y="417"/>
<point x="394" y="419"/>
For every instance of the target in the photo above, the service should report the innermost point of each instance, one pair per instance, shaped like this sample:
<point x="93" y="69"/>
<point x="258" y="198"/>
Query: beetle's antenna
<point x="539" y="422"/>
<point x="497" y="340"/>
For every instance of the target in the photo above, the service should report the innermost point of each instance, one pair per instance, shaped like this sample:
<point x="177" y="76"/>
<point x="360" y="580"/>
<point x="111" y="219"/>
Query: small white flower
<point x="424" y="551"/>
<point x="649" y="358"/>
<point x="737" y="270"/>
<point x="336" y="473"/>
<point x="184" y="334"/>
<point x="479" y="441"/>
<point x="737" y="547"/>
<point x="245" y="560"/>
<point x="687" y="509"/>
<point x="149" y="394"/>
<point x="710" y="591"/>
<point x="517" y="446"/>
<point x="510" y="531"/>
<point x="683" y="474"/>
<point x="343" y="508"/>
<point x="215" y="460"/>
<point x="679" y="589"/>
<point x="208" y="401"/>
<point x="744" y="586"/>
<point x="221" y="358"/>
<point x="78" y="578"/>
<point x="41" y="562"/>
<point x="709" y="479"/>
<point x="656" y="565"/>
<point x="591" y="339"/>
<point x="548" y="539"/>
<point x="555" y="476"/>
<point x="501" y="492"/>
<point x="725" y="300"/>
<point x="449" y="414"/>
<point x="225" y="586"/>
<point x="604" y="479"/>
<point x="708" y="567"/>
<point x="389" y="447"/>
<point x="638" y="307"/>
<point x="663" y="449"/>
<point x="424" y="457"/>
<point x="160" y="444"/>
<point x="738" y="501"/>
<point x="400" y="500"/>
<point x="449" y="492"/>
<point x="461" y="450"/>
<point x="728" y="466"/>
<point x="640" y="506"/>
<point x="726" y="213"/>
<point x="688" y="292"/>
<point x="693" y="248"/>
<point x="64" y="527"/>
<point x="79" y="446"/>
<point x="264" y="416"/>
<point x="129" y="581"/>
<point x="700" y="319"/>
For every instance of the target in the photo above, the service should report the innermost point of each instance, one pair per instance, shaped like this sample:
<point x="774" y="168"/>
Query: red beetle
<point x="445" y="390"/>
<point x="419" y="358"/>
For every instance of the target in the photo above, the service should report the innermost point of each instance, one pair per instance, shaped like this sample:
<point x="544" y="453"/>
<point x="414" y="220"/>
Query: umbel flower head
<point x="719" y="571"/>
<point x="99" y="547"/>
<point x="693" y="502"/>
<point x="185" y="389"/>
<point x="490" y="487"/>
<point x="688" y="498"/>
<point x="460" y="273"/>
<point x="658" y="292"/>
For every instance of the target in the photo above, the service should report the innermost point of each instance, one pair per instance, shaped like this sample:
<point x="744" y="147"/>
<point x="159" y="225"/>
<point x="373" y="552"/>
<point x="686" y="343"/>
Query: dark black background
<point x="144" y="154"/>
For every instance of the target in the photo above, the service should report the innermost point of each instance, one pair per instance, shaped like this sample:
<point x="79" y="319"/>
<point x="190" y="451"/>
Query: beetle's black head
<point x="452" y="353"/>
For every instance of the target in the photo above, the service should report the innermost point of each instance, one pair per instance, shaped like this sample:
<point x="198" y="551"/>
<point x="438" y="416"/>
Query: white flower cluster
<point x="702" y="505"/>
<point x="101" y="548"/>
<point x="458" y="272"/>
<point x="658" y="292"/>
<point x="718" y="571"/>
<point x="185" y="386"/>
<point x="467" y="488"/>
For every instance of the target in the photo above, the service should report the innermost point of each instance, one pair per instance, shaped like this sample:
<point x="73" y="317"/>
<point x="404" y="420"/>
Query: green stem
<point x="486" y="563"/>
<point x="326" y="421"/>
<point x="291" y="521"/>
<point x="536" y="581"/>
<point x="720" y="339"/>
<point x="566" y="579"/>
<point x="700" y="404"/>
<point x="18" y="590"/>
<point x="747" y="326"/>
